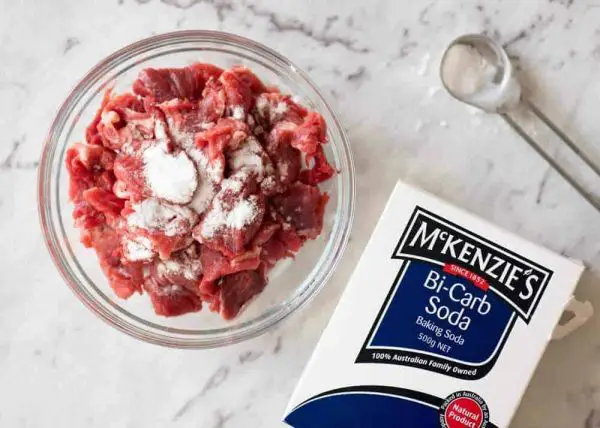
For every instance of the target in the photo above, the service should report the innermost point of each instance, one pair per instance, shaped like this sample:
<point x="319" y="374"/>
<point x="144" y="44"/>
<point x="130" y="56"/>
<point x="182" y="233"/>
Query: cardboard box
<point x="441" y="325"/>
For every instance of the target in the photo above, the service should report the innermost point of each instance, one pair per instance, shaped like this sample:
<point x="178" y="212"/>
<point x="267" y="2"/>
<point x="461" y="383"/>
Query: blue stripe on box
<point x="366" y="407"/>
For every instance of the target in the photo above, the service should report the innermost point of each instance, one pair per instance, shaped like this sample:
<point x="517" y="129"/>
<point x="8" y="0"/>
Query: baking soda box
<point x="442" y="324"/>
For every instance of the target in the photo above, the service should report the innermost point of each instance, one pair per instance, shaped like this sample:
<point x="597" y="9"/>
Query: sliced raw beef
<point x="302" y="206"/>
<point x="234" y="217"/>
<point x="124" y="120"/>
<point x="104" y="201"/>
<point x="273" y="107"/>
<point x="193" y="186"/>
<point x="321" y="169"/>
<point x="171" y="299"/>
<point x="168" y="226"/>
<point x="226" y="135"/>
<point x="168" y="83"/>
<point x="287" y="159"/>
<point x="137" y="248"/>
<point x="182" y="268"/>
<point x="236" y="290"/>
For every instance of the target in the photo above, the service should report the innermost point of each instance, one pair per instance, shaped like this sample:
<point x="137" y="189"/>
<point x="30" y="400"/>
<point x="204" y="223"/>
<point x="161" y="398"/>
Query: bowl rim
<point x="192" y="339"/>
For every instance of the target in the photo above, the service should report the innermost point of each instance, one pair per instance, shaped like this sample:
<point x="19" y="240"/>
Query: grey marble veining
<point x="377" y="61"/>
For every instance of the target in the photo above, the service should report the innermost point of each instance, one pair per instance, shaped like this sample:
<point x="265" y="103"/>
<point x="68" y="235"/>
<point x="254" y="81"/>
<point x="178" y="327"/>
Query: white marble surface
<point x="377" y="60"/>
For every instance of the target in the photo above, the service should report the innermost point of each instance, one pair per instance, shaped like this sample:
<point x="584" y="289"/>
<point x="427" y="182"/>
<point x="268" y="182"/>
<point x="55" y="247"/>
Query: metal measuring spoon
<point x="497" y="90"/>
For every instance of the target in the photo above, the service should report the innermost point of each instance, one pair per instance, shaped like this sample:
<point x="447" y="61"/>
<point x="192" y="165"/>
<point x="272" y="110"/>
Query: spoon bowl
<point x="500" y="92"/>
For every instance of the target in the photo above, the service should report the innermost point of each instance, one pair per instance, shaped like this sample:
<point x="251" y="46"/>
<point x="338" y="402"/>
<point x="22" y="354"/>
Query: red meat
<point x="171" y="299"/>
<point x="237" y="92"/>
<point x="236" y="290"/>
<point x="273" y="107"/>
<point x="234" y="216"/>
<point x="252" y="158"/>
<point x="124" y="120"/>
<point x="213" y="103"/>
<point x="166" y="245"/>
<point x="266" y="232"/>
<point x="302" y="206"/>
<point x="168" y="226"/>
<point x="245" y="75"/>
<point x="92" y="157"/>
<point x="91" y="132"/>
<point x="104" y="201"/>
<point x="124" y="280"/>
<point x="88" y="166"/>
<point x="169" y="83"/>
<point x="284" y="243"/>
<point x="184" y="119"/>
<point x="107" y="243"/>
<point x="320" y="171"/>
<point x="87" y="217"/>
<point x="310" y="134"/>
<point x="183" y="268"/>
<point x="215" y="264"/>
<point x="227" y="134"/>
<point x="249" y="204"/>
<point x="287" y="159"/>
<point x="129" y="171"/>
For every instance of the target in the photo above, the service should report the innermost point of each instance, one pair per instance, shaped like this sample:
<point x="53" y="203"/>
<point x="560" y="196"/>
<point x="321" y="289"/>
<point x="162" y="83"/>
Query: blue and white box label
<point x="442" y="324"/>
<point x="454" y="302"/>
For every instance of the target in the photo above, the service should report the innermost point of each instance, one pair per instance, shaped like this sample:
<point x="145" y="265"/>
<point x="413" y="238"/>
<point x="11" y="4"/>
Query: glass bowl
<point x="291" y="283"/>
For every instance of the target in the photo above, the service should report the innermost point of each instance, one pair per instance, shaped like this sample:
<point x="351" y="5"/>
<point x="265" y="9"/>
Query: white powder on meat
<point x="120" y="190"/>
<point x="171" y="177"/>
<point x="268" y="184"/>
<point x="168" y="290"/>
<point x="235" y="182"/>
<point x="284" y="170"/>
<point x="209" y="175"/>
<point x="127" y="149"/>
<point x="141" y="129"/>
<point x="204" y="194"/>
<point x="248" y="156"/>
<point x="169" y="266"/>
<point x="109" y="117"/>
<point x="138" y="249"/>
<point x="281" y="108"/>
<point x="160" y="132"/>
<point x="190" y="270"/>
<point x="242" y="213"/>
<point x="212" y="170"/>
<point x="238" y="113"/>
<point x="153" y="215"/>
<point x="286" y="126"/>
<point x="182" y="139"/>
<point x="262" y="106"/>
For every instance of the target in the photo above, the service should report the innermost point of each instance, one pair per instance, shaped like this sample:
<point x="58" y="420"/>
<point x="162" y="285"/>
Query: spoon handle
<point x="582" y="155"/>
<point x="563" y="172"/>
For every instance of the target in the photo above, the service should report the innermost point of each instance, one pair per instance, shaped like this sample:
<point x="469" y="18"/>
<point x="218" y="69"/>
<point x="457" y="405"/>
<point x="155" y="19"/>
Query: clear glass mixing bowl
<point x="291" y="284"/>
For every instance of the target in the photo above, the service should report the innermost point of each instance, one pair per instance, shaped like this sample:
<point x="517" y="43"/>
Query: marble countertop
<point x="377" y="62"/>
